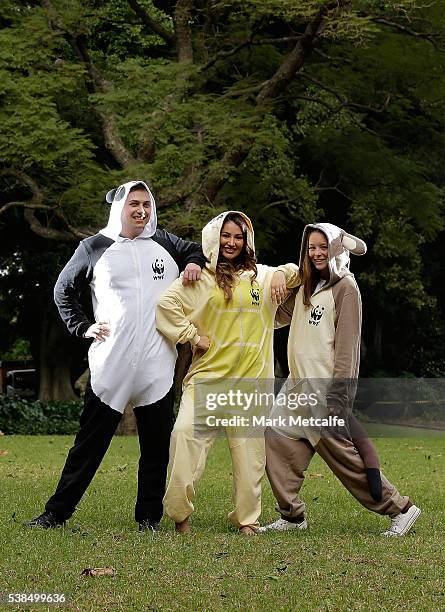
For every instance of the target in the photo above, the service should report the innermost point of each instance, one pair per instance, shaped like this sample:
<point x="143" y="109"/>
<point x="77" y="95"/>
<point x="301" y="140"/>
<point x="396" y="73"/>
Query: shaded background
<point x="292" y="111"/>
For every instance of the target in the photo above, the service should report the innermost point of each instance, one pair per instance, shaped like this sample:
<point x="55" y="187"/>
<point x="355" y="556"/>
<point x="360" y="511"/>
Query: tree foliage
<point x="292" y="110"/>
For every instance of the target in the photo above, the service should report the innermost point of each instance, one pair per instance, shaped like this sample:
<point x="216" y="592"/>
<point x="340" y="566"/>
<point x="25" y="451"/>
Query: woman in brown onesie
<point x="324" y="353"/>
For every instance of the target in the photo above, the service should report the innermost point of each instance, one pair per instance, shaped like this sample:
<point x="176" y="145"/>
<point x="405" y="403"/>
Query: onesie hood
<point x="211" y="237"/>
<point x="117" y="197"/>
<point x="340" y="245"/>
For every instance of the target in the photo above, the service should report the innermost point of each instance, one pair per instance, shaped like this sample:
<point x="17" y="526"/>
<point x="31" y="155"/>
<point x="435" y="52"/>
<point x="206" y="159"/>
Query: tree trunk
<point x="55" y="358"/>
<point x="182" y="366"/>
<point x="127" y="426"/>
<point x="183" y="13"/>
<point x="378" y="340"/>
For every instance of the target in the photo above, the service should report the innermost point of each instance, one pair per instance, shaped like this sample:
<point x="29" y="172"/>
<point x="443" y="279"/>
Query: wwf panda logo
<point x="316" y="314"/>
<point x="158" y="269"/>
<point x="255" y="293"/>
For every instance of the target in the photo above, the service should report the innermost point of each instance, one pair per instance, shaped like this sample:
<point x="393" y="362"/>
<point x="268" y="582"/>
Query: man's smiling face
<point x="135" y="213"/>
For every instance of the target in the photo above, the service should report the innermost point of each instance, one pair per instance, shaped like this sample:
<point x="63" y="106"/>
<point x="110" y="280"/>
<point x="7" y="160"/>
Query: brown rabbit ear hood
<point x="340" y="244"/>
<point x="211" y="237"/>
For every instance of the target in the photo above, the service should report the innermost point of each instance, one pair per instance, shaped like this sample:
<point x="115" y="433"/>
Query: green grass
<point x="339" y="563"/>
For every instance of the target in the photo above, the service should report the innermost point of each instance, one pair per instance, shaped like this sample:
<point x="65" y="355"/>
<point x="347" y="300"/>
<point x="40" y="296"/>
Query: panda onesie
<point x="134" y="364"/>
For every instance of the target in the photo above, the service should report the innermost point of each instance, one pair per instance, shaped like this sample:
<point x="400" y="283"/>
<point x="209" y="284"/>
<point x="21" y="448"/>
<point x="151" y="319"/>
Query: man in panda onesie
<point x="127" y="266"/>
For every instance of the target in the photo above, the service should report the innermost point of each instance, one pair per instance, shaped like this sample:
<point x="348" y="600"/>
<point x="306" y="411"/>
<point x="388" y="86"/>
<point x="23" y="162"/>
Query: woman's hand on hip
<point x="203" y="345"/>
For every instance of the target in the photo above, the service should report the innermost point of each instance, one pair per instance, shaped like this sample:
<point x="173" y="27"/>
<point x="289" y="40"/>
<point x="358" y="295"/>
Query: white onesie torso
<point x="135" y="364"/>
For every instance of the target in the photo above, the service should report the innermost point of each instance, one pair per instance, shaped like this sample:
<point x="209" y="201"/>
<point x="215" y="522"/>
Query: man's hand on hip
<point x="98" y="331"/>
<point x="192" y="272"/>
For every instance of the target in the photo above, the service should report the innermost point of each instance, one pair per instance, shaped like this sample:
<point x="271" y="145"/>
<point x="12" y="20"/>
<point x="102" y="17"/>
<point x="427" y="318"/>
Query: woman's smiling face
<point x="318" y="250"/>
<point x="231" y="240"/>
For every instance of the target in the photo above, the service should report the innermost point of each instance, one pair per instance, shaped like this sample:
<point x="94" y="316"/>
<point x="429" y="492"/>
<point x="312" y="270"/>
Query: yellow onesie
<point x="240" y="356"/>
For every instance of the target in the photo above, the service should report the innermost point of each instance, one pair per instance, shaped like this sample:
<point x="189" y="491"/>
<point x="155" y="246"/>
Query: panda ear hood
<point x="117" y="198"/>
<point x="340" y="245"/>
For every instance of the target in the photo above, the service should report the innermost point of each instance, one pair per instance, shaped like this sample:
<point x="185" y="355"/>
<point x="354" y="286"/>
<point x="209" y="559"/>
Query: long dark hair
<point x="310" y="276"/>
<point x="226" y="271"/>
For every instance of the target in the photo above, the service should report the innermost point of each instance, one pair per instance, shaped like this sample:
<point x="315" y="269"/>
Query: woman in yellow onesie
<point x="228" y="319"/>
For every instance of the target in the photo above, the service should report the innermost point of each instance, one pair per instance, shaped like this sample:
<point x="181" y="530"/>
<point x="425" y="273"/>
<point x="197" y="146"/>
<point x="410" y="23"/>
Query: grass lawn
<point x="339" y="563"/>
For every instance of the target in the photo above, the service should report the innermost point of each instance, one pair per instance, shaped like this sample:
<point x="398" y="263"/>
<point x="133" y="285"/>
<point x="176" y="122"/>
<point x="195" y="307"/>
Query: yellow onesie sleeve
<point x="173" y="310"/>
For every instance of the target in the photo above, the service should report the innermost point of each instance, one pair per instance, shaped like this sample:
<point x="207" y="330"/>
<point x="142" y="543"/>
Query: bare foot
<point x="183" y="527"/>
<point x="248" y="531"/>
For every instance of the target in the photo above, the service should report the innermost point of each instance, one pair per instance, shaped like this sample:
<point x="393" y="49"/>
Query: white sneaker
<point x="402" y="523"/>
<point x="283" y="525"/>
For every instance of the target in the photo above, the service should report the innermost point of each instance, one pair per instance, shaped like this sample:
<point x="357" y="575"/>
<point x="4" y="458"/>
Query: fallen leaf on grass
<point x="98" y="571"/>
<point x="118" y="537"/>
<point x="362" y="560"/>
<point x="4" y="453"/>
<point x="415" y="448"/>
<point x="316" y="475"/>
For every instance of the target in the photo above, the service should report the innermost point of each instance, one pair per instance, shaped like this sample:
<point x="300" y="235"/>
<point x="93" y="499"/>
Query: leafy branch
<point x="36" y="203"/>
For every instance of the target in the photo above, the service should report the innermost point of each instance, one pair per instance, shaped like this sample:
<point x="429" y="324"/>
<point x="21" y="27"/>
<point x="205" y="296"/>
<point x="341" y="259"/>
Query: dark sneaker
<point x="148" y="525"/>
<point x="47" y="520"/>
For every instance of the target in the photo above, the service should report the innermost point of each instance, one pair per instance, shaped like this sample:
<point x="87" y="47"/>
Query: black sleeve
<point x="187" y="252"/>
<point x="73" y="280"/>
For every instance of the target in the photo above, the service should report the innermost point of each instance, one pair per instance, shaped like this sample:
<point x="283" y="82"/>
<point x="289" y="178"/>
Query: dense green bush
<point x="20" y="416"/>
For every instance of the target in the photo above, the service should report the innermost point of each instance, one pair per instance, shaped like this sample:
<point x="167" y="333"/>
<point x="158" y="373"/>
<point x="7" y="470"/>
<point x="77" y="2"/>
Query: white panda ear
<point x="110" y="196"/>
<point x="115" y="194"/>
<point x="120" y="193"/>
<point x="354" y="245"/>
